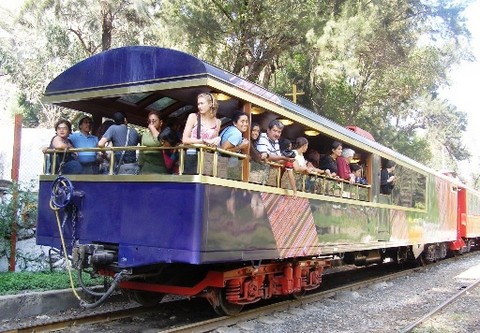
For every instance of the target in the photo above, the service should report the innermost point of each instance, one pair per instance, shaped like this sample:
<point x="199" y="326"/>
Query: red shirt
<point x="343" y="168"/>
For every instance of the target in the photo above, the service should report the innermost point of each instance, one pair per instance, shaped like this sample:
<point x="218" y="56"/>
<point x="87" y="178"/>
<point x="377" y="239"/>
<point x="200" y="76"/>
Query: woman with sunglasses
<point x="66" y="162"/>
<point x="152" y="161"/>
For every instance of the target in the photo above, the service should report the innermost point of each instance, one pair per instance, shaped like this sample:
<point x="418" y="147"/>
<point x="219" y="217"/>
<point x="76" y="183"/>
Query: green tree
<point x="245" y="37"/>
<point x="375" y="59"/>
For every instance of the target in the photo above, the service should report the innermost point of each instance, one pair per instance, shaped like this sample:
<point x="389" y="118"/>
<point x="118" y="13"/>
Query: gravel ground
<point x="384" y="307"/>
<point x="387" y="307"/>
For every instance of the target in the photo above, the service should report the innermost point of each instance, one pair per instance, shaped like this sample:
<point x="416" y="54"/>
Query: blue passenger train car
<point x="234" y="240"/>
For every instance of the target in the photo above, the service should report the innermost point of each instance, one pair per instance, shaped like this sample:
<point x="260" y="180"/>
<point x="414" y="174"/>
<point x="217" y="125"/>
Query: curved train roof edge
<point x="138" y="65"/>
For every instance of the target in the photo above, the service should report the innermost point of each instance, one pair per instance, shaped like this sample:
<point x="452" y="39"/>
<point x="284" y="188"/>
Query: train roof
<point x="97" y="84"/>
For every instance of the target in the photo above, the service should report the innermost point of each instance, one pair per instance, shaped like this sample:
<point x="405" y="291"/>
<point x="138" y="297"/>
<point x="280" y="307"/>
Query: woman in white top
<point x="300" y="164"/>
<point x="209" y="123"/>
<point x="202" y="127"/>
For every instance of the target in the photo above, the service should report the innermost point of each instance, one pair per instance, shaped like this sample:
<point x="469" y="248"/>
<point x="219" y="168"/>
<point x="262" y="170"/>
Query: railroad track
<point x="440" y="307"/>
<point x="198" y="307"/>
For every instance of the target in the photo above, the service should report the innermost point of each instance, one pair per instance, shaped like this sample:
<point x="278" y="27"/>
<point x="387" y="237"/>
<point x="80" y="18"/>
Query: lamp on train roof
<point x="311" y="132"/>
<point x="221" y="96"/>
<point x="285" y="122"/>
<point x="256" y="110"/>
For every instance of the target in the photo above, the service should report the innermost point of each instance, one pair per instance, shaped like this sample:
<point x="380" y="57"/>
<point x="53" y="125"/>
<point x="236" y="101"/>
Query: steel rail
<point x="212" y="324"/>
<point x="414" y="324"/>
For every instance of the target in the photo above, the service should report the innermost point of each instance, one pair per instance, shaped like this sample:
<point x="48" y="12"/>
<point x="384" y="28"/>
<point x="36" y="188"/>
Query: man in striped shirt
<point x="268" y="145"/>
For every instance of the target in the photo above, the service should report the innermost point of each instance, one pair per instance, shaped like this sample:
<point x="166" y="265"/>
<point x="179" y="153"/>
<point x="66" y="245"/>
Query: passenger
<point x="258" y="169"/>
<point x="343" y="165"/>
<point x="387" y="178"/>
<point x="358" y="172"/>
<point x="313" y="157"/>
<point x="300" y="164"/>
<point x="104" y="163"/>
<point x="231" y="138"/>
<point x="268" y="144"/>
<point x="152" y="161"/>
<point x="66" y="163"/>
<point x="170" y="138"/>
<point x="286" y="149"/>
<point x="329" y="162"/>
<point x="202" y="127"/>
<point x="121" y="135"/>
<point x="84" y="139"/>
<point x="254" y="136"/>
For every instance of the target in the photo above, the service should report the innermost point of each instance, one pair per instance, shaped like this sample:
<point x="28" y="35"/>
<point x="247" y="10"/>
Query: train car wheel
<point x="146" y="298"/>
<point x="222" y="307"/>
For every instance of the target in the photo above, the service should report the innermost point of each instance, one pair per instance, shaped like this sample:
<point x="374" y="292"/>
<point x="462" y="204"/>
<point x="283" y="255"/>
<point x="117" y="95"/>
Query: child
<point x="357" y="171"/>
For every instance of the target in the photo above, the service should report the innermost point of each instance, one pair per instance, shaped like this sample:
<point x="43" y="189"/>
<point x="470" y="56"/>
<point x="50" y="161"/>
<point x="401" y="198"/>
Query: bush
<point x="16" y="283"/>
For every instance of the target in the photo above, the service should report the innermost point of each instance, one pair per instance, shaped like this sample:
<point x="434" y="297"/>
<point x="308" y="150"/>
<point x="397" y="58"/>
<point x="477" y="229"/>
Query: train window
<point x="473" y="204"/>
<point x="133" y="98"/>
<point x="161" y="104"/>
<point x="410" y="188"/>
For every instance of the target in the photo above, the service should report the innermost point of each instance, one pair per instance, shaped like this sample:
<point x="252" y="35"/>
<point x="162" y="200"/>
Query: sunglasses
<point x="152" y="121"/>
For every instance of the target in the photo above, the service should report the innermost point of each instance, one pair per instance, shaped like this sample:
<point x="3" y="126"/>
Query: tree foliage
<point x="375" y="64"/>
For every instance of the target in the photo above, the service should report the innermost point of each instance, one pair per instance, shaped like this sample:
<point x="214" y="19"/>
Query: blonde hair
<point x="213" y="102"/>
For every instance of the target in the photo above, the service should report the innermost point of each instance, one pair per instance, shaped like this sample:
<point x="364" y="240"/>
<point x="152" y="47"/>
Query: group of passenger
<point x="202" y="127"/>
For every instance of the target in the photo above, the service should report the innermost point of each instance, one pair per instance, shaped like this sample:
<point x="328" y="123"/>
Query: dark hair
<point x="276" y="122"/>
<point x="63" y="121"/>
<point x="355" y="167"/>
<point x="169" y="135"/>
<point x="300" y="141"/>
<point x="389" y="164"/>
<point x="83" y="119"/>
<point x="237" y="114"/>
<point x="336" y="144"/>
<point x="103" y="128"/>
<point x="119" y="118"/>
<point x="155" y="112"/>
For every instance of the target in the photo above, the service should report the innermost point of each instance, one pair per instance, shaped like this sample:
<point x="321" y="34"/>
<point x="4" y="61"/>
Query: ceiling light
<point x="311" y="133"/>
<point x="221" y="96"/>
<point x="286" y="122"/>
<point x="256" y="110"/>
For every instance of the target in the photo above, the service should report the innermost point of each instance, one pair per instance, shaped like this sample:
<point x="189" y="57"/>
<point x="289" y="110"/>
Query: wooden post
<point x="17" y="139"/>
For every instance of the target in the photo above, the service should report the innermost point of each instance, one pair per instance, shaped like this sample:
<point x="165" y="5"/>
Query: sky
<point x="464" y="89"/>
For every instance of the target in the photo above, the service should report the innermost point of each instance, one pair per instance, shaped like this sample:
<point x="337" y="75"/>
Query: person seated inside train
<point x="122" y="135"/>
<point x="329" y="161"/>
<point x="358" y="172"/>
<point x="84" y="139"/>
<point x="152" y="161"/>
<point x="66" y="163"/>
<point x="343" y="165"/>
<point x="387" y="177"/>
<point x="268" y="143"/>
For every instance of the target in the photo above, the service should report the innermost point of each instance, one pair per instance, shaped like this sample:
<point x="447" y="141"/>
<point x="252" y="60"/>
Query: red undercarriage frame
<point x="248" y="284"/>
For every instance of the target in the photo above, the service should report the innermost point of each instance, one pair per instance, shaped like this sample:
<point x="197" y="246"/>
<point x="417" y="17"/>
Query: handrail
<point x="328" y="185"/>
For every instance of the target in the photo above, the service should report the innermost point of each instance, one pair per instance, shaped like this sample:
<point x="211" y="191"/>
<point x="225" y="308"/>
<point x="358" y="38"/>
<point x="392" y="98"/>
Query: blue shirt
<point x="232" y="135"/>
<point x="80" y="140"/>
